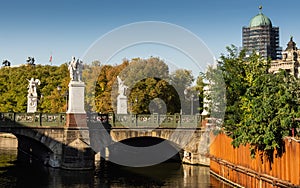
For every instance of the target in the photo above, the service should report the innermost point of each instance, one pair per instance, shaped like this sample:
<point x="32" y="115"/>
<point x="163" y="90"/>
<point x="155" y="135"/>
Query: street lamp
<point x="66" y="94"/>
<point x="39" y="102"/>
<point x="192" y="96"/>
<point x="133" y="103"/>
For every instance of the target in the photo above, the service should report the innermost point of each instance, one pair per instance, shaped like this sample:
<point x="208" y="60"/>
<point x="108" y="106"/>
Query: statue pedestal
<point x="77" y="152"/>
<point x="76" y="98"/>
<point x="76" y="115"/>
<point x="122" y="104"/>
<point x="31" y="104"/>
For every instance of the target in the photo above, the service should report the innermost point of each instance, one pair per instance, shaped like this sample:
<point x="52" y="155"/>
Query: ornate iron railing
<point x="109" y="120"/>
<point x="154" y="121"/>
<point x="32" y="119"/>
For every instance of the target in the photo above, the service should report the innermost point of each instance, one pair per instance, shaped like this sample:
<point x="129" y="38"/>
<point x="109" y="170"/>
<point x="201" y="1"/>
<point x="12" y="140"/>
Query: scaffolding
<point x="263" y="40"/>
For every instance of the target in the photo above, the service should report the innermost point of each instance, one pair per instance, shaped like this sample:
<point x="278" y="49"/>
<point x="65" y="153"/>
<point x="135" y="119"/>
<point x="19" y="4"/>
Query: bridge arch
<point x="62" y="142"/>
<point x="116" y="149"/>
<point x="185" y="141"/>
<point x="37" y="143"/>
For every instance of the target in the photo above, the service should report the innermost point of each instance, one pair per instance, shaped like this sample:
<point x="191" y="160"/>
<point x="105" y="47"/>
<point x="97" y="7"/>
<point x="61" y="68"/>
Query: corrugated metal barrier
<point x="237" y="166"/>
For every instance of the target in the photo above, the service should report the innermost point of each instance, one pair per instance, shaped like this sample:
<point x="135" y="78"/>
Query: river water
<point x="17" y="175"/>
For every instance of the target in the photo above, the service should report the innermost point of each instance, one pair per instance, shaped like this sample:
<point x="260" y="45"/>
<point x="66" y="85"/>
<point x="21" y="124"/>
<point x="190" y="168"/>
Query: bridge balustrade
<point x="32" y="119"/>
<point x="154" y="120"/>
<point x="95" y="119"/>
<point x="111" y="120"/>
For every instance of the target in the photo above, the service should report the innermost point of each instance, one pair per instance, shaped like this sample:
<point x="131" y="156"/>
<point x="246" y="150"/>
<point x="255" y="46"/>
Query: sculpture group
<point x="122" y="97"/>
<point x="30" y="61"/>
<point x="76" y="86"/>
<point x="32" y="86"/>
<point x="122" y="87"/>
<point x="32" y="97"/>
<point x="75" y="69"/>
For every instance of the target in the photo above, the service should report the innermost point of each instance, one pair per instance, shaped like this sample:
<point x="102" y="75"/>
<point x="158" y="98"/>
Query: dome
<point x="260" y="20"/>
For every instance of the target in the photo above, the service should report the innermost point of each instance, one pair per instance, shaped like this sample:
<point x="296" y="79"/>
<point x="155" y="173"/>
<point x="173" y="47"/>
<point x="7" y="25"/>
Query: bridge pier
<point x="77" y="152"/>
<point x="196" y="151"/>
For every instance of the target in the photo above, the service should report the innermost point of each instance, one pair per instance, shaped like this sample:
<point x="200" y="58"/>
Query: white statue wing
<point x="119" y="81"/>
<point x="37" y="81"/>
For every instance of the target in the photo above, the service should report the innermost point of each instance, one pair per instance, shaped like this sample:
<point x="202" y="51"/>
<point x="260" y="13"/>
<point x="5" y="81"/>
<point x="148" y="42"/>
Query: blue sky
<point x="66" y="28"/>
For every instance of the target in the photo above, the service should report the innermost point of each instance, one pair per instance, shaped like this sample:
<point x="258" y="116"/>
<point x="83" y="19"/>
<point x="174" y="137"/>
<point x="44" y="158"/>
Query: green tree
<point x="154" y="95"/>
<point x="149" y="85"/>
<point x="270" y="107"/>
<point x="90" y="77"/>
<point x="13" y="89"/>
<point x="261" y="107"/>
<point x="52" y="77"/>
<point x="199" y="88"/>
<point x="148" y="80"/>
<point x="140" y="69"/>
<point x="181" y="80"/>
<point x="106" y="87"/>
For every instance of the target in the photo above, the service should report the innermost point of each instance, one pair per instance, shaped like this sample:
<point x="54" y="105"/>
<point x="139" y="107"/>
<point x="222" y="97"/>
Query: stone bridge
<point x="187" y="141"/>
<point x="55" y="139"/>
<point x="182" y="133"/>
<point x="46" y="138"/>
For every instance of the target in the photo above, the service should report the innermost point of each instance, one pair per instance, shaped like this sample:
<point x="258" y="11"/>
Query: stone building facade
<point x="290" y="60"/>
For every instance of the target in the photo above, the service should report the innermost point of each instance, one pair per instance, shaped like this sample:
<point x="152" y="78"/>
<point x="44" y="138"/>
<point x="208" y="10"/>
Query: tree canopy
<point x="14" y="84"/>
<point x="152" y="89"/>
<point x="261" y="107"/>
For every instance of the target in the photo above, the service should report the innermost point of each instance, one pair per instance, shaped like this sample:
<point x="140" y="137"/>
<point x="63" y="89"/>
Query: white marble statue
<point x="122" y="98"/>
<point x="122" y="88"/>
<point x="79" y="69"/>
<point x="75" y="69"/>
<point x="71" y="68"/>
<point x="32" y="85"/>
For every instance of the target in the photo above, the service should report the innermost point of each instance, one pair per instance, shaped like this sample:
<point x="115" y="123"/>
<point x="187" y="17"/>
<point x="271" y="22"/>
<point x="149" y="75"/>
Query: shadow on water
<point x="168" y="174"/>
<point x="15" y="174"/>
<point x="112" y="175"/>
<point x="106" y="174"/>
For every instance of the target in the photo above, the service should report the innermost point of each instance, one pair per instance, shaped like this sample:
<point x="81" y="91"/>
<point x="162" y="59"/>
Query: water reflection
<point x="106" y="174"/>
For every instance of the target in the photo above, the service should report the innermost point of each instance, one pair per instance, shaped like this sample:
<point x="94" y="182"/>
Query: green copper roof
<point x="260" y="20"/>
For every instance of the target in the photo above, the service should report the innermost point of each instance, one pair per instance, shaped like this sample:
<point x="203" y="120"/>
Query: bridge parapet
<point x="115" y="120"/>
<point x="154" y="120"/>
<point x="11" y="119"/>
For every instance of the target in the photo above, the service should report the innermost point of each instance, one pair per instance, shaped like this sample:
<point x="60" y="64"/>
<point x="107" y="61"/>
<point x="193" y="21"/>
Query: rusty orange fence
<point x="237" y="166"/>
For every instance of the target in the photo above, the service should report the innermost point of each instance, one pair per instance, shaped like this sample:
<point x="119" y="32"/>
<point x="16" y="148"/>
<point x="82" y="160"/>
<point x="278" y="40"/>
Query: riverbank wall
<point x="8" y="141"/>
<point x="236" y="166"/>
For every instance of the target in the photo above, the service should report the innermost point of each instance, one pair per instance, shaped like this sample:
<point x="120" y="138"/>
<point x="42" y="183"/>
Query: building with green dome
<point x="261" y="37"/>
